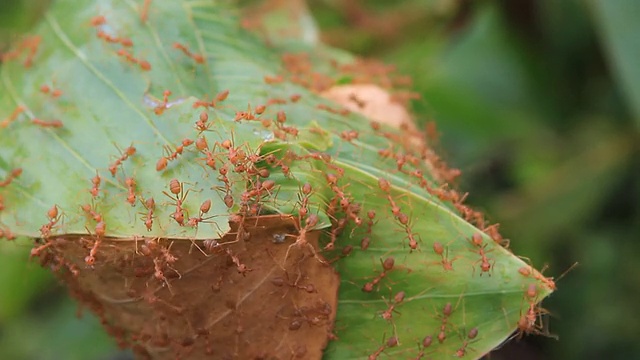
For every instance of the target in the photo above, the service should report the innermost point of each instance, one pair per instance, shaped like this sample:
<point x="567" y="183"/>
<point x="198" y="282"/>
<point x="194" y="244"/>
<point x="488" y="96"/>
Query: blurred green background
<point x="537" y="101"/>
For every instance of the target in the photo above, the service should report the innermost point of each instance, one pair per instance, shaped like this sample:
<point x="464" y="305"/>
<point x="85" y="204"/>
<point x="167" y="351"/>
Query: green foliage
<point x="112" y="99"/>
<point x="565" y="116"/>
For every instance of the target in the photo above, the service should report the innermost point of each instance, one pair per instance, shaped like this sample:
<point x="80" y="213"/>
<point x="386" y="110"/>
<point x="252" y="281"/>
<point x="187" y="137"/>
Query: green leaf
<point x="109" y="103"/>
<point x="618" y="29"/>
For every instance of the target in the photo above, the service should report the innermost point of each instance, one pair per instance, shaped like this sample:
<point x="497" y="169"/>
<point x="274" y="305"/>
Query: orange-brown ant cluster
<point x="299" y="70"/>
<point x="29" y="45"/>
<point x="185" y="50"/>
<point x="99" y="21"/>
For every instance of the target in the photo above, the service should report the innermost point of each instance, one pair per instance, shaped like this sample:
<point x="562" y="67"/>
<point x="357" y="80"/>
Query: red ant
<point x="204" y="208"/>
<point x="176" y="188"/>
<point x="486" y="264"/>
<point x="301" y="239"/>
<point x="392" y="342"/>
<point x="128" y="152"/>
<point x="98" y="20"/>
<point x="201" y="124"/>
<point x="89" y="210"/>
<point x="144" y="65"/>
<point x="335" y="232"/>
<point x="273" y="79"/>
<point x="462" y="351"/>
<point x="387" y="265"/>
<point x="12" y="175"/>
<point x="447" y="264"/>
<point x="45" y="89"/>
<point x="14" y="115"/>
<point x="56" y="124"/>
<point x="446" y="313"/>
<point x="96" y="180"/>
<point x="150" y="205"/>
<point x="144" y="12"/>
<point x="54" y="217"/>
<point x="426" y="342"/>
<point x="100" y="231"/>
<point x="240" y="267"/>
<point x="131" y="188"/>
<point x="158" y="110"/>
<point x="196" y="57"/>
<point x="349" y="135"/>
<point x="222" y="96"/>
<point x="397" y="299"/>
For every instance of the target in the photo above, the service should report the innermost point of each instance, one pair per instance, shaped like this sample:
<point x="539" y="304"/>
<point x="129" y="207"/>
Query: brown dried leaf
<point x="207" y="308"/>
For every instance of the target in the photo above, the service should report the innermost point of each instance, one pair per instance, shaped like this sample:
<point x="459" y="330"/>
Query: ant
<point x="100" y="231"/>
<point x="14" y="115"/>
<point x="392" y="342"/>
<point x="462" y="351"/>
<point x="56" y="124"/>
<point x="485" y="264"/>
<point x="12" y="175"/>
<point x="54" y="217"/>
<point x="204" y="208"/>
<point x="179" y="196"/>
<point x="150" y="205"/>
<point x="301" y="240"/>
<point x="439" y="249"/>
<point x="131" y="188"/>
<point x="89" y="210"/>
<point x="241" y="267"/>
<point x="128" y="152"/>
<point x="144" y="12"/>
<point x="397" y="299"/>
<point x="196" y="57"/>
<point x="387" y="265"/>
<point x="426" y="342"/>
<point x="95" y="189"/>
